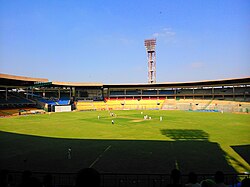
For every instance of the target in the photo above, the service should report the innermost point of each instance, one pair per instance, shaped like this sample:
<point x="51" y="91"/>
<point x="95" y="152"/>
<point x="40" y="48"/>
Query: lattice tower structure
<point x="150" y="47"/>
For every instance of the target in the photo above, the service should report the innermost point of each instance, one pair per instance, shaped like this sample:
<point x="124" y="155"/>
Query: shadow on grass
<point x="185" y="134"/>
<point x="243" y="151"/>
<point x="19" y="152"/>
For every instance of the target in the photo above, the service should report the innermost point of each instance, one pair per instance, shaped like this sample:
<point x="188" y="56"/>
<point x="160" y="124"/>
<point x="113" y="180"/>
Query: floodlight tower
<point x="150" y="47"/>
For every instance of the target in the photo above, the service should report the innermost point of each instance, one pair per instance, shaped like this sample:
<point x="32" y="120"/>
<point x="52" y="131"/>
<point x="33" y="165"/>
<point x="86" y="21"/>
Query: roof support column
<point x="245" y="93"/>
<point x="213" y="92"/>
<point x="109" y="93"/>
<point x="74" y="91"/>
<point x="233" y="94"/>
<point x="6" y="93"/>
<point x="59" y="93"/>
<point x="193" y="93"/>
<point x="102" y="93"/>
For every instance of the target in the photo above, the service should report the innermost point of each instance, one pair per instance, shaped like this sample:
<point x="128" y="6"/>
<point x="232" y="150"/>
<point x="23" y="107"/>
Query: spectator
<point x="175" y="178"/>
<point x="88" y="177"/>
<point x="208" y="183"/>
<point x="192" y="180"/>
<point x="219" y="179"/>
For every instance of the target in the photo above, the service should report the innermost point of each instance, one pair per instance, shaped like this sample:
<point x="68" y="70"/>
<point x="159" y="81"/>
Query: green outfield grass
<point x="192" y="141"/>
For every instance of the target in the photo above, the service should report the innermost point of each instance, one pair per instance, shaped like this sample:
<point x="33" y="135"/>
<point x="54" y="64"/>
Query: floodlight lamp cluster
<point x="150" y="44"/>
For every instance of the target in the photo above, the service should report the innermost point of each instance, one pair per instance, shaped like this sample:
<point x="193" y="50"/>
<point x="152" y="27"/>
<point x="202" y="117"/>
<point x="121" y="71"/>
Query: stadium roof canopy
<point x="77" y="84"/>
<point x="13" y="81"/>
<point x="204" y="83"/>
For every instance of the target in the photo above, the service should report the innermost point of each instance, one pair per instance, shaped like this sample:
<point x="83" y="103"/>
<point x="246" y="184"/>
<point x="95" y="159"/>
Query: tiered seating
<point x="9" y="112"/>
<point x="184" y="91"/>
<point x="121" y="104"/>
<point x="149" y="92"/>
<point x="16" y="111"/>
<point x="242" y="90"/>
<point x="165" y="104"/>
<point x="151" y="103"/>
<point x="199" y="104"/>
<point x="91" y="105"/>
<point x="131" y="104"/>
<point x="47" y="101"/>
<point x="53" y="101"/>
<point x="14" y="100"/>
<point x="169" y="104"/>
<point x="226" y="106"/>
<point x="166" y="92"/>
<point x="201" y="91"/>
<point x="85" y="105"/>
<point x="63" y="101"/>
<point x="186" y="104"/>
<point x="116" y="93"/>
<point x="115" y="104"/>
<point x="100" y="105"/>
<point x="135" y="104"/>
<point x="130" y="92"/>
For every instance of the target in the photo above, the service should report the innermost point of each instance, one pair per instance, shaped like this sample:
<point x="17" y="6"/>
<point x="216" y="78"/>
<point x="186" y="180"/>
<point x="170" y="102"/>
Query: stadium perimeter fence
<point x="125" y="179"/>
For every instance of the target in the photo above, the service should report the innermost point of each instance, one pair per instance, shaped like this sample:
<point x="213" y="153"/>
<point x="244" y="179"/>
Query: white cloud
<point x="156" y="35"/>
<point x="167" y="34"/>
<point x="197" y="65"/>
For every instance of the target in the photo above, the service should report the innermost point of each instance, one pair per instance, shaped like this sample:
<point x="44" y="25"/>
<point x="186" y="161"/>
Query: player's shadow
<point x="186" y="134"/>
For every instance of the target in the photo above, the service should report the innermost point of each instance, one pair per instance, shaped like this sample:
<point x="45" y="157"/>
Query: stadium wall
<point x="63" y="108"/>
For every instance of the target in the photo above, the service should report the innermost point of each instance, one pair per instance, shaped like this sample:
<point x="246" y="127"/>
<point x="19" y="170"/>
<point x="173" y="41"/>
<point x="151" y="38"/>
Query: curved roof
<point x="21" y="81"/>
<point x="203" y="83"/>
<point x="88" y="84"/>
<point x="7" y="80"/>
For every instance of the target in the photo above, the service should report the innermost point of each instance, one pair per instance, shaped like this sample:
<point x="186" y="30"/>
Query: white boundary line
<point x="98" y="158"/>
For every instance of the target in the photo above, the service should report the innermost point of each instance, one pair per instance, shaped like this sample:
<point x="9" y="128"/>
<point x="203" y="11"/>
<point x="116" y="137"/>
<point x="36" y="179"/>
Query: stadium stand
<point x="14" y="178"/>
<point x="202" y="95"/>
<point x="130" y="92"/>
<point x="15" y="100"/>
<point x="166" y="92"/>
<point x="47" y="101"/>
<point x="85" y="105"/>
<point x="63" y="101"/>
<point x="149" y="92"/>
<point x="205" y="105"/>
<point x="121" y="104"/>
<point x="20" y="111"/>
<point x="116" y="93"/>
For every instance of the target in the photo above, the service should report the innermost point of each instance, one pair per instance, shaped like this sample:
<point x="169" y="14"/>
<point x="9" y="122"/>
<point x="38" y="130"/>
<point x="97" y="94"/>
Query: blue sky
<point x="103" y="40"/>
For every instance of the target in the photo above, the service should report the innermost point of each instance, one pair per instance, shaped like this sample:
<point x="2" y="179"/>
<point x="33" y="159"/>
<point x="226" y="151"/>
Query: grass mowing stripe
<point x="98" y="158"/>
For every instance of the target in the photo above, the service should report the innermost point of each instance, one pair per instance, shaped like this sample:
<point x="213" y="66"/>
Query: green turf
<point x="189" y="140"/>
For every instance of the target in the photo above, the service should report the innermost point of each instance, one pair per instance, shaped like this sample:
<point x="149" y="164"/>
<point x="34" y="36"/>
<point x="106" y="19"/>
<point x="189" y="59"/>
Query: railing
<point x="125" y="179"/>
